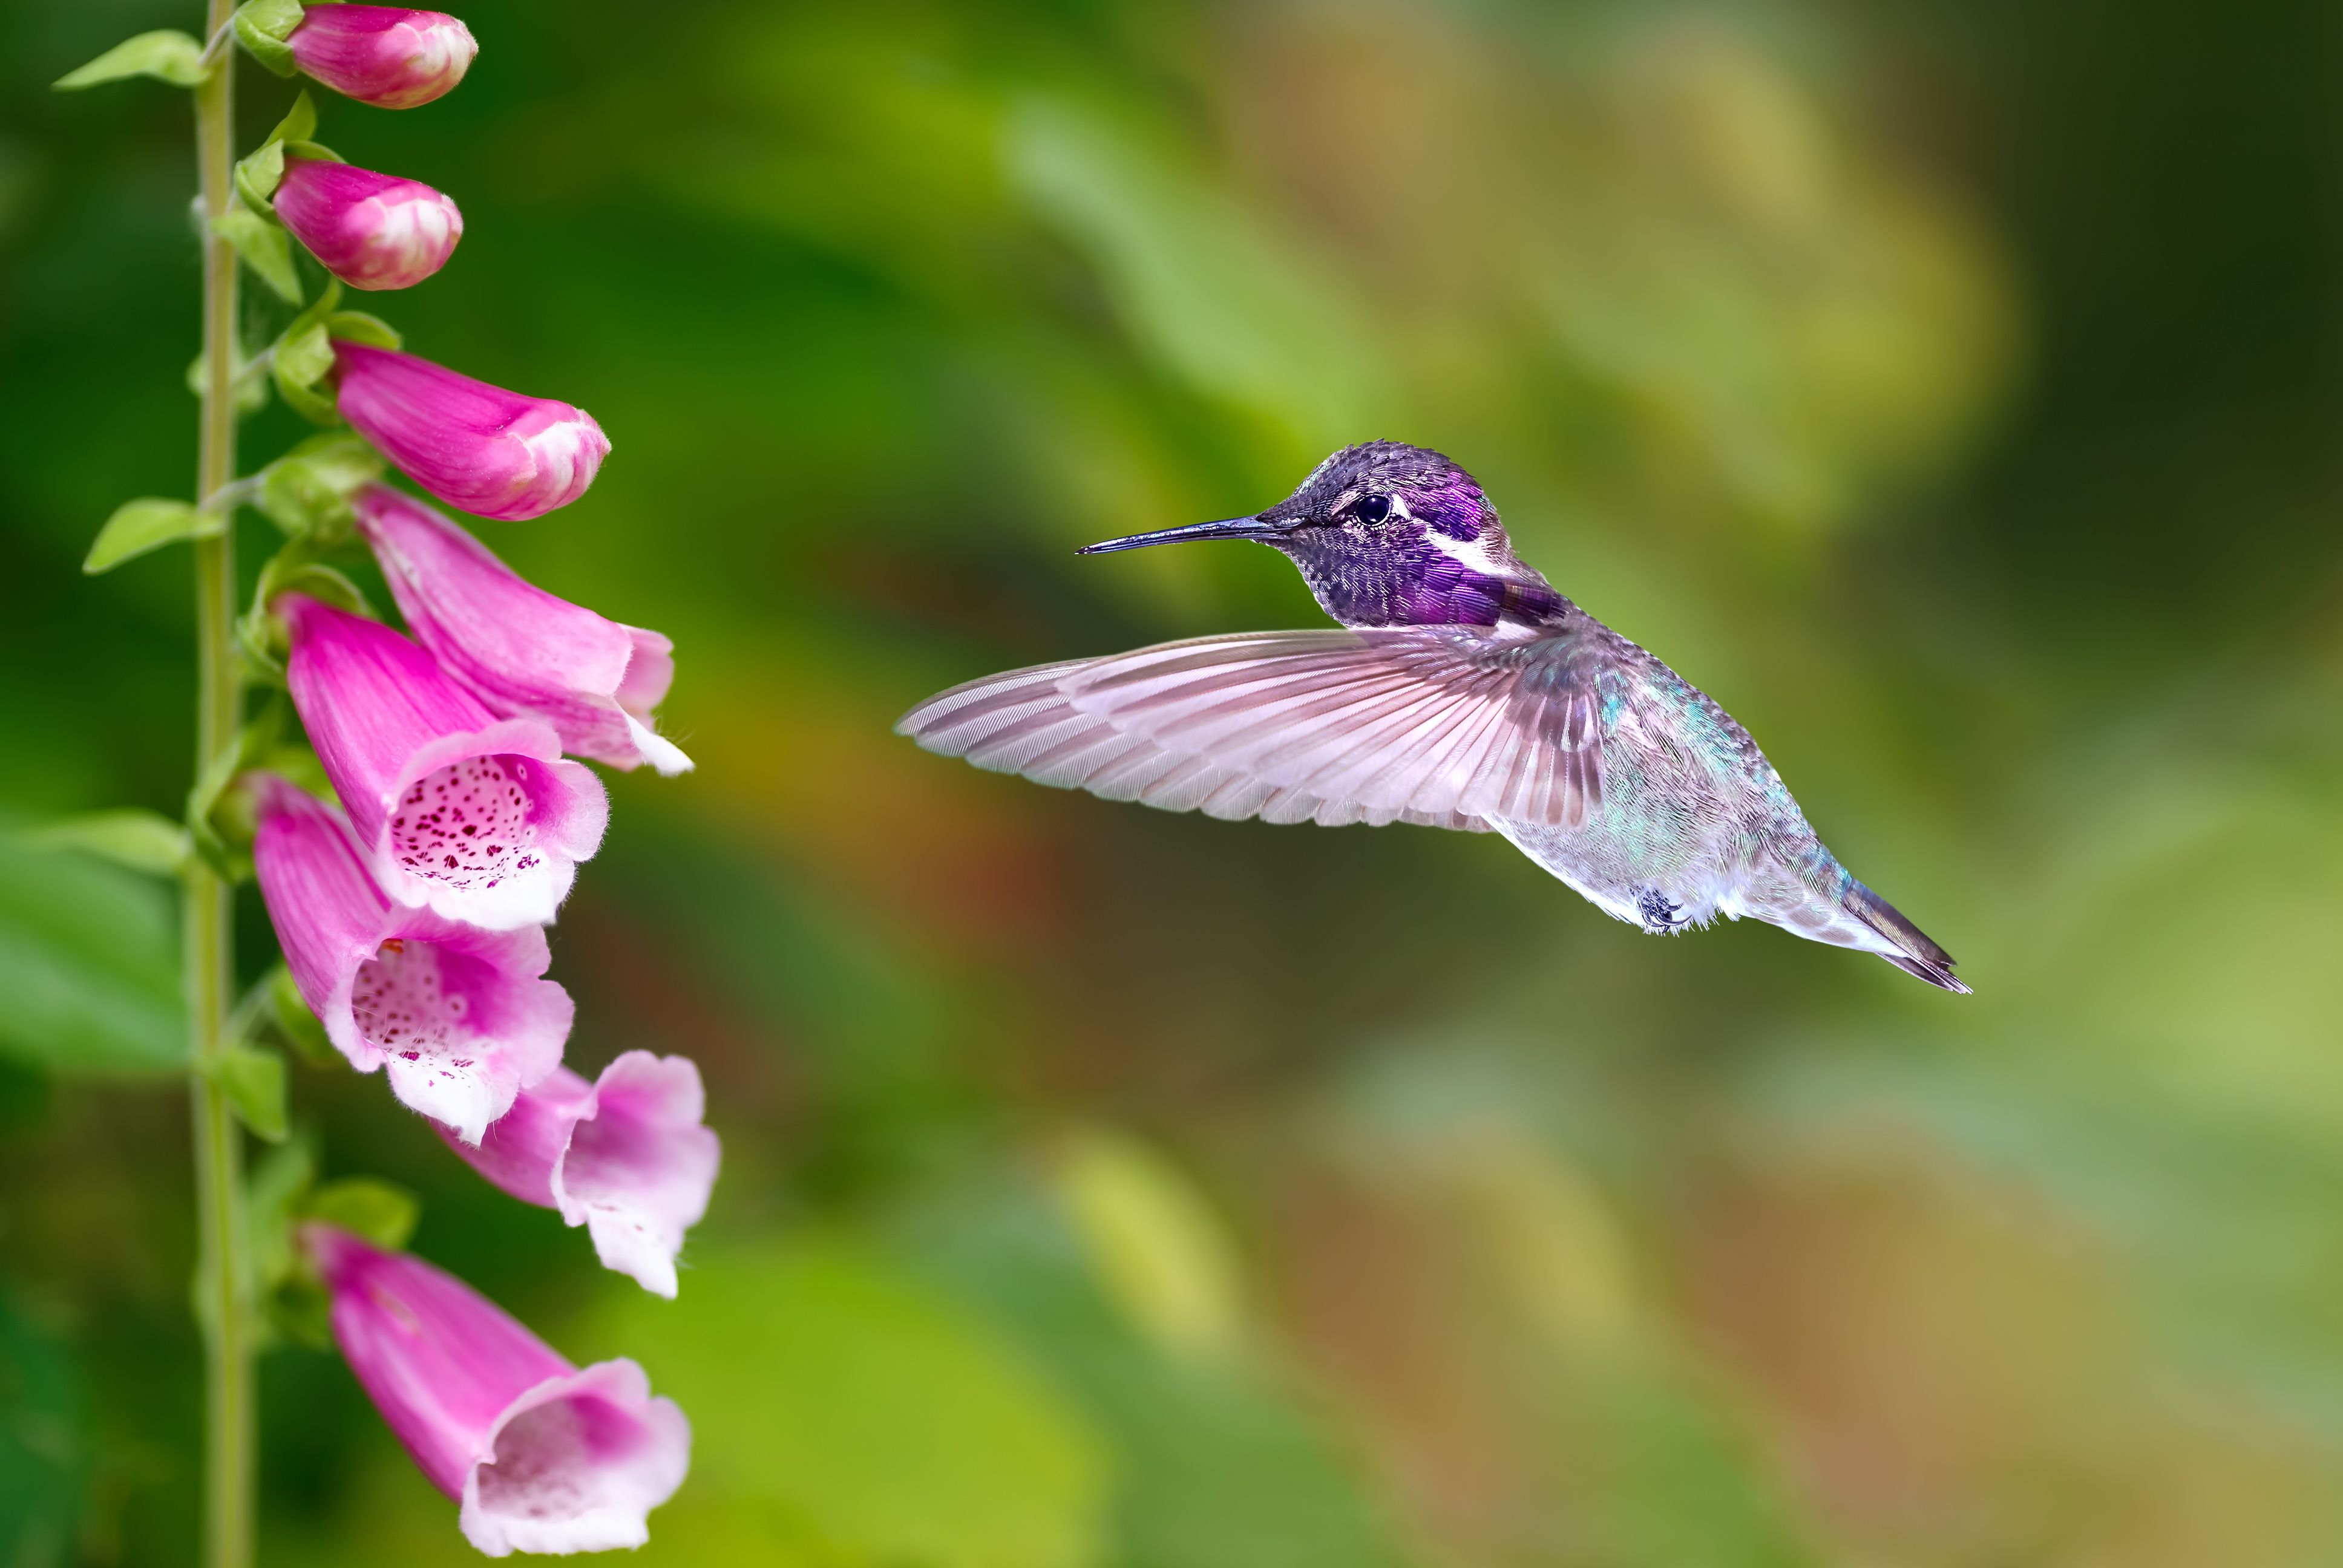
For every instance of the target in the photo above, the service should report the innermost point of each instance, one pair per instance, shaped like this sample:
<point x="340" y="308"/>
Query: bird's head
<point x="1388" y="534"/>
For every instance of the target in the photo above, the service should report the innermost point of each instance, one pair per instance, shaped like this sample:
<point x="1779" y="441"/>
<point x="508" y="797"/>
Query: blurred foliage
<point x="1948" y="388"/>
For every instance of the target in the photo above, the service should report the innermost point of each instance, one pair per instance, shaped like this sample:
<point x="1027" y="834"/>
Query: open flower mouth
<point x="467" y="825"/>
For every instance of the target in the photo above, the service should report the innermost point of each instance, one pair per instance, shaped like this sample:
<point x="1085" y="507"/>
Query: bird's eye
<point x="1373" y="509"/>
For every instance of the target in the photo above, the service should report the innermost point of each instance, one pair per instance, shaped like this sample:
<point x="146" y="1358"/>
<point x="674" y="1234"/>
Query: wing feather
<point x="1414" y="724"/>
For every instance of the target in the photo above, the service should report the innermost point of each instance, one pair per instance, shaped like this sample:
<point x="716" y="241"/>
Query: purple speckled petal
<point x="477" y="817"/>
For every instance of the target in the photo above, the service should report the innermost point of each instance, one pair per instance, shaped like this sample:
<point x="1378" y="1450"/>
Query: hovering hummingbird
<point x="1463" y="692"/>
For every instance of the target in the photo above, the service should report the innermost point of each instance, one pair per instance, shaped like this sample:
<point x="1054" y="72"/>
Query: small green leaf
<point x="295" y="1021"/>
<point x="280" y="1179"/>
<point x="253" y="1079"/>
<point x="89" y="965"/>
<point x="168" y="55"/>
<point x="307" y="490"/>
<point x="300" y="121"/>
<point x="258" y="175"/>
<point x="301" y="361"/>
<point x="146" y="524"/>
<point x="360" y="327"/>
<point x="367" y="1208"/>
<point x="263" y="26"/>
<point x="145" y="841"/>
<point x="228" y="852"/>
<point x="265" y="248"/>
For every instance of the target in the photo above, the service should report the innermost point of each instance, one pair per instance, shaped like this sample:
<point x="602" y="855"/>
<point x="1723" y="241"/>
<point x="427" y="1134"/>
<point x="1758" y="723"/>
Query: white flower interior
<point x="467" y="825"/>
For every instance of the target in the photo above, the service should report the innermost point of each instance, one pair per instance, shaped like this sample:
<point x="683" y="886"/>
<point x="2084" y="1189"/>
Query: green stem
<point x="225" y="1272"/>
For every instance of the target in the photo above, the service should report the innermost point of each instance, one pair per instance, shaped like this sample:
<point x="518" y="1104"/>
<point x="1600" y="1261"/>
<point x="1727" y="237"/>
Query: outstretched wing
<point x="1408" y="724"/>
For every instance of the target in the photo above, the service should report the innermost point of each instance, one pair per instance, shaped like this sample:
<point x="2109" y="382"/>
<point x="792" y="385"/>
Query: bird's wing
<point x="1408" y="724"/>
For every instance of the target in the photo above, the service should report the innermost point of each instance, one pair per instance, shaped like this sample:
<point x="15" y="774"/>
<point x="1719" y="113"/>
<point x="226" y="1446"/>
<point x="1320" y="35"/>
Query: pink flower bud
<point x="385" y="56"/>
<point x="479" y="448"/>
<point x="625" y="1156"/>
<point x="370" y="230"/>
<point x="518" y="649"/>
<point x="458" y="1015"/>
<point x="477" y="817"/>
<point x="542" y="1457"/>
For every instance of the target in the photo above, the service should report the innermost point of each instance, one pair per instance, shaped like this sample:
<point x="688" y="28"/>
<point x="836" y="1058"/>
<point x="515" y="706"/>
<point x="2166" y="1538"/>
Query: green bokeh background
<point x="1949" y="388"/>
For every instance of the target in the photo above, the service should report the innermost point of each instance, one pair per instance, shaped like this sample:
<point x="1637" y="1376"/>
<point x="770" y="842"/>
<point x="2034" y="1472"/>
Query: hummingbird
<point x="1461" y="691"/>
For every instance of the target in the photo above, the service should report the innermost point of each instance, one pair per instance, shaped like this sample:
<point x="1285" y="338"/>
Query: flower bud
<point x="460" y="1018"/>
<point x="625" y="1156"/>
<point x="477" y="817"/>
<point x="479" y="448"/>
<point x="541" y="1456"/>
<point x="385" y="56"/>
<point x="518" y="649"/>
<point x="370" y="230"/>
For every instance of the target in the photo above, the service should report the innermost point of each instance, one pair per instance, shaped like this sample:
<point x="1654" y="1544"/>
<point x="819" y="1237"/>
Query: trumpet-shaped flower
<point x="479" y="448"/>
<point x="478" y="818"/>
<point x="518" y="649"/>
<point x="458" y="1017"/>
<point x="625" y="1156"/>
<point x="541" y="1456"/>
<point x="385" y="56"/>
<point x="370" y="230"/>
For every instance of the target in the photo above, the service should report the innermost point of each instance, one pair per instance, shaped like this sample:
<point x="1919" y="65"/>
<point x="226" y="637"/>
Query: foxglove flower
<point x="459" y="1017"/>
<point x="370" y="230"/>
<point x="625" y="1156"/>
<point x="516" y="648"/>
<point x="385" y="56"/>
<point x="479" y="448"/>
<point x="477" y="816"/>
<point x="541" y="1456"/>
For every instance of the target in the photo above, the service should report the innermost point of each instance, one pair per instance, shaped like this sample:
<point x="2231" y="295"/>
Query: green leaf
<point x="147" y="524"/>
<point x="300" y="121"/>
<point x="263" y="26"/>
<point x="257" y="176"/>
<point x="89" y="965"/>
<point x="298" y="1025"/>
<point x="166" y="54"/>
<point x="368" y="1207"/>
<point x="253" y="1079"/>
<point x="307" y="490"/>
<point x="140" y="840"/>
<point x="256" y="742"/>
<point x="265" y="247"/>
<point x="360" y="327"/>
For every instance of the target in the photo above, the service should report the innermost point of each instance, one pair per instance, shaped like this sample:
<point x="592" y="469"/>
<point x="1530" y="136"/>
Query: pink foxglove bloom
<point x="625" y="1156"/>
<point x="459" y="1017"/>
<point x="370" y="230"/>
<point x="479" y="448"/>
<point x="477" y="816"/>
<point x="385" y="56"/>
<point x="542" y="1457"/>
<point x="514" y="645"/>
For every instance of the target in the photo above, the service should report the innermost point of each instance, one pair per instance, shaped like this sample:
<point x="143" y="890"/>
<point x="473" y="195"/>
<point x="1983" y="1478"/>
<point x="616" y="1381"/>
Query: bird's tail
<point x="1915" y="954"/>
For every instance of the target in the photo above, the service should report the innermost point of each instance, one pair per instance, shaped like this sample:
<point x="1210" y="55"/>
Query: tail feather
<point x="1918" y="955"/>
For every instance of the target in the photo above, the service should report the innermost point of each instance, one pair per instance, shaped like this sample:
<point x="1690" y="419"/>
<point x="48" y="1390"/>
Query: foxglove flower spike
<point x="370" y="230"/>
<point x="385" y="56"/>
<point x="459" y="1017"/>
<point x="479" y="448"/>
<point x="540" y="1455"/>
<point x="516" y="648"/>
<point x="477" y="816"/>
<point x="625" y="1156"/>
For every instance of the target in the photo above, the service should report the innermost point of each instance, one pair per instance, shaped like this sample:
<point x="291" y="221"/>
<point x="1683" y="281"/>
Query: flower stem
<point x="224" y="1291"/>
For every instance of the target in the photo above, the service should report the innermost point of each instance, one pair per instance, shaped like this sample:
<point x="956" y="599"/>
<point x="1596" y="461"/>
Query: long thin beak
<point x="1226" y="529"/>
